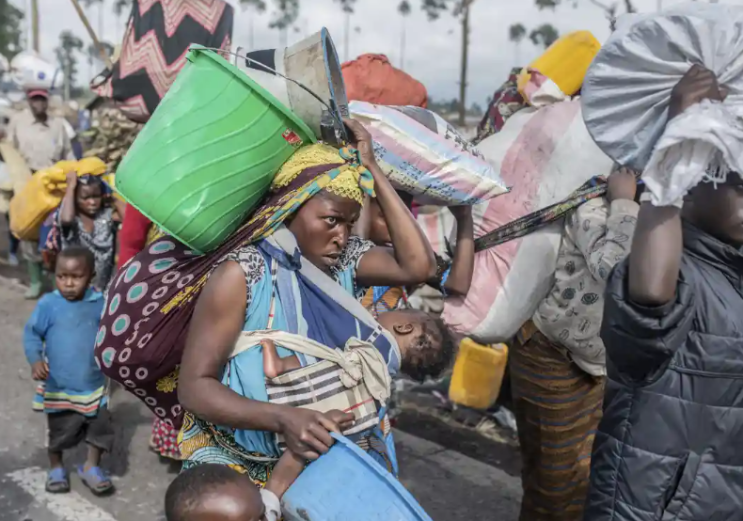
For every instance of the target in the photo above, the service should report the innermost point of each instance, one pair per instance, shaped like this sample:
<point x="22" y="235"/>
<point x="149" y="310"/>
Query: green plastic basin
<point x="209" y="152"/>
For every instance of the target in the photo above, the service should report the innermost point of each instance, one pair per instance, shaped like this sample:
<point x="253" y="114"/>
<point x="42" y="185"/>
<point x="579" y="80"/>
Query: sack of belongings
<point x="372" y="78"/>
<point x="424" y="155"/>
<point x="628" y="89"/>
<point x="546" y="155"/>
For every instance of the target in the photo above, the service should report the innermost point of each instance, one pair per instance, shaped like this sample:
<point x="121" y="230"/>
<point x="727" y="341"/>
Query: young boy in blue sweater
<point x="59" y="339"/>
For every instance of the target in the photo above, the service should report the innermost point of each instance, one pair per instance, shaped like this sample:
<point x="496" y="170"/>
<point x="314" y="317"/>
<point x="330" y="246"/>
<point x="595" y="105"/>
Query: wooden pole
<point x="465" y="58"/>
<point x="106" y="58"/>
<point x="35" y="25"/>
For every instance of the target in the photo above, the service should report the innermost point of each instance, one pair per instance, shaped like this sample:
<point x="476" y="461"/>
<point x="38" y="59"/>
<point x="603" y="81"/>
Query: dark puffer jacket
<point x="670" y="445"/>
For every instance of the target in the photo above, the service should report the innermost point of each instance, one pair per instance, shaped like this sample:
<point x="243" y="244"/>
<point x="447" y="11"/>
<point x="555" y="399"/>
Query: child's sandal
<point x="96" y="480"/>
<point x="57" y="481"/>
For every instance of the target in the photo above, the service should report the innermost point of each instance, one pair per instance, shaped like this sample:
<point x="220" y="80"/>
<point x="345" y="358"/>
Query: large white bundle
<point x="545" y="155"/>
<point x="30" y="71"/>
<point x="627" y="91"/>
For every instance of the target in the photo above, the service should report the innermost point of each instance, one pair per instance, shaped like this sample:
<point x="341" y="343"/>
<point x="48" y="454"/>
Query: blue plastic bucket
<point x="346" y="484"/>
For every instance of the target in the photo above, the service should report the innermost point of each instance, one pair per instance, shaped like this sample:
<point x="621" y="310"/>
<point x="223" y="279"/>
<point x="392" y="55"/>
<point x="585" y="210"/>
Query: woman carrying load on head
<point x="298" y="279"/>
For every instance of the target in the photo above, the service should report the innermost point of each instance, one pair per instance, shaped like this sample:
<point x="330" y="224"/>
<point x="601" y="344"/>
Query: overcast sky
<point x="433" y="48"/>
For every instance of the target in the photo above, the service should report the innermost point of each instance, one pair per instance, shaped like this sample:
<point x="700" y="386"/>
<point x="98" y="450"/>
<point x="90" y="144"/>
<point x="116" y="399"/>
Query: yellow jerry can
<point x="565" y="62"/>
<point x="478" y="374"/>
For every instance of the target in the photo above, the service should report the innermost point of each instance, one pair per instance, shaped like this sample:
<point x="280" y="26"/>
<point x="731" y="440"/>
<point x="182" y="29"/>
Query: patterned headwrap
<point x="352" y="182"/>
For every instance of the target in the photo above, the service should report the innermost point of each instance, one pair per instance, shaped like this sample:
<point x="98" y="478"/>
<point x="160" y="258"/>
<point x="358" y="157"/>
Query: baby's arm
<point x="286" y="471"/>
<point x="273" y="364"/>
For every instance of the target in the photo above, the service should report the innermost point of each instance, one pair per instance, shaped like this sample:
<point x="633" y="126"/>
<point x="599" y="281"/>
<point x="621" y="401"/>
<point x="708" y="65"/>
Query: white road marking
<point x="67" y="507"/>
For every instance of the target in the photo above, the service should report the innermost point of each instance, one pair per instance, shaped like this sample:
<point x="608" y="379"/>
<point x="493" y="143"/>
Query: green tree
<point x="94" y="54"/>
<point x="253" y="7"/>
<point x="69" y="46"/>
<point x="611" y="9"/>
<point x="544" y="35"/>
<point x="10" y="29"/>
<point x="285" y="14"/>
<point x="347" y="6"/>
<point x="517" y="33"/>
<point x="461" y="10"/>
<point x="404" y="9"/>
<point x="101" y="9"/>
<point x="120" y="8"/>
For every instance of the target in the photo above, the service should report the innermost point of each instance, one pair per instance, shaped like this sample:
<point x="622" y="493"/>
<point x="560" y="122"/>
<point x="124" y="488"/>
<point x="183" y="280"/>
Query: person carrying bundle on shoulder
<point x="669" y="444"/>
<point x="558" y="367"/>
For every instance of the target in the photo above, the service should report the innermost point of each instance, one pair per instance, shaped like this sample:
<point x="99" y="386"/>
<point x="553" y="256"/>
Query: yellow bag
<point x="44" y="193"/>
<point x="32" y="204"/>
<point x="565" y="63"/>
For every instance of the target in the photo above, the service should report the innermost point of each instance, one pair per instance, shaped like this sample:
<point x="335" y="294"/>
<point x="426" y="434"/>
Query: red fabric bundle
<point x="373" y="79"/>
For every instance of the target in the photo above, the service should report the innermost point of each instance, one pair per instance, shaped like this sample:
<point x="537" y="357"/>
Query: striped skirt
<point x="558" y="407"/>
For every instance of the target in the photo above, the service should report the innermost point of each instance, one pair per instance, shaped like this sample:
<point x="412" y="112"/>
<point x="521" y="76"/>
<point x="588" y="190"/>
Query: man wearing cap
<point x="42" y="140"/>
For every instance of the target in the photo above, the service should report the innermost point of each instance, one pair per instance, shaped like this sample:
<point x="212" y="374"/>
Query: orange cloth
<point x="373" y="79"/>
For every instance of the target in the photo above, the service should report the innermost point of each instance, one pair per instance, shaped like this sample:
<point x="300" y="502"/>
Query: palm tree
<point x="252" y="7"/>
<point x="461" y="10"/>
<point x="544" y="35"/>
<point x="120" y="7"/>
<point x="69" y="45"/>
<point x="404" y="10"/>
<point x="101" y="7"/>
<point x="347" y="7"/>
<point x="517" y="33"/>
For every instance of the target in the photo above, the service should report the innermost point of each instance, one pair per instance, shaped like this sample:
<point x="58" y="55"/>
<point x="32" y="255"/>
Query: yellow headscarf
<point x="353" y="182"/>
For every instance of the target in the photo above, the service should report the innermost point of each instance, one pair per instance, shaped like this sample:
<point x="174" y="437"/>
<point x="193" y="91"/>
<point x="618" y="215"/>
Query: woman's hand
<point x="307" y="432"/>
<point x="362" y="140"/>
<point x="698" y="83"/>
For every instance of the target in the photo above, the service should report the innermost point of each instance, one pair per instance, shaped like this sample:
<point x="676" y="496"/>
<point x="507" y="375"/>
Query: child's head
<point x="89" y="195"/>
<point x="427" y="346"/>
<point x="73" y="272"/>
<point x="213" y="493"/>
<point x="718" y="210"/>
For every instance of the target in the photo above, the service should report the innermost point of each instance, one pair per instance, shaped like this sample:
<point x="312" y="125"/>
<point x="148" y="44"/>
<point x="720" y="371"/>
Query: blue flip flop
<point x="57" y="481"/>
<point x="96" y="480"/>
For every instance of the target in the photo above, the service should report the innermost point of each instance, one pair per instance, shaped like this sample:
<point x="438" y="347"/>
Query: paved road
<point x="449" y="485"/>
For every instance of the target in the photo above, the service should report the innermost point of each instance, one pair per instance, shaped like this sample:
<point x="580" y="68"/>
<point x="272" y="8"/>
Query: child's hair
<point x="78" y="252"/>
<point x="90" y="180"/>
<point x="422" y="359"/>
<point x="187" y="490"/>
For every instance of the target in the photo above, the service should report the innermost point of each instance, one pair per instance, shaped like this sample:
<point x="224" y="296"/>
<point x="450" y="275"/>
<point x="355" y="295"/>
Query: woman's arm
<point x="215" y="327"/>
<point x="411" y="259"/>
<point x="67" y="212"/>
<point x="460" y="274"/>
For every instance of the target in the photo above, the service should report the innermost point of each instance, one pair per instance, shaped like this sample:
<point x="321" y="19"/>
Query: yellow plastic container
<point x="43" y="193"/>
<point x="478" y="374"/>
<point x="565" y="62"/>
<point x="32" y="204"/>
